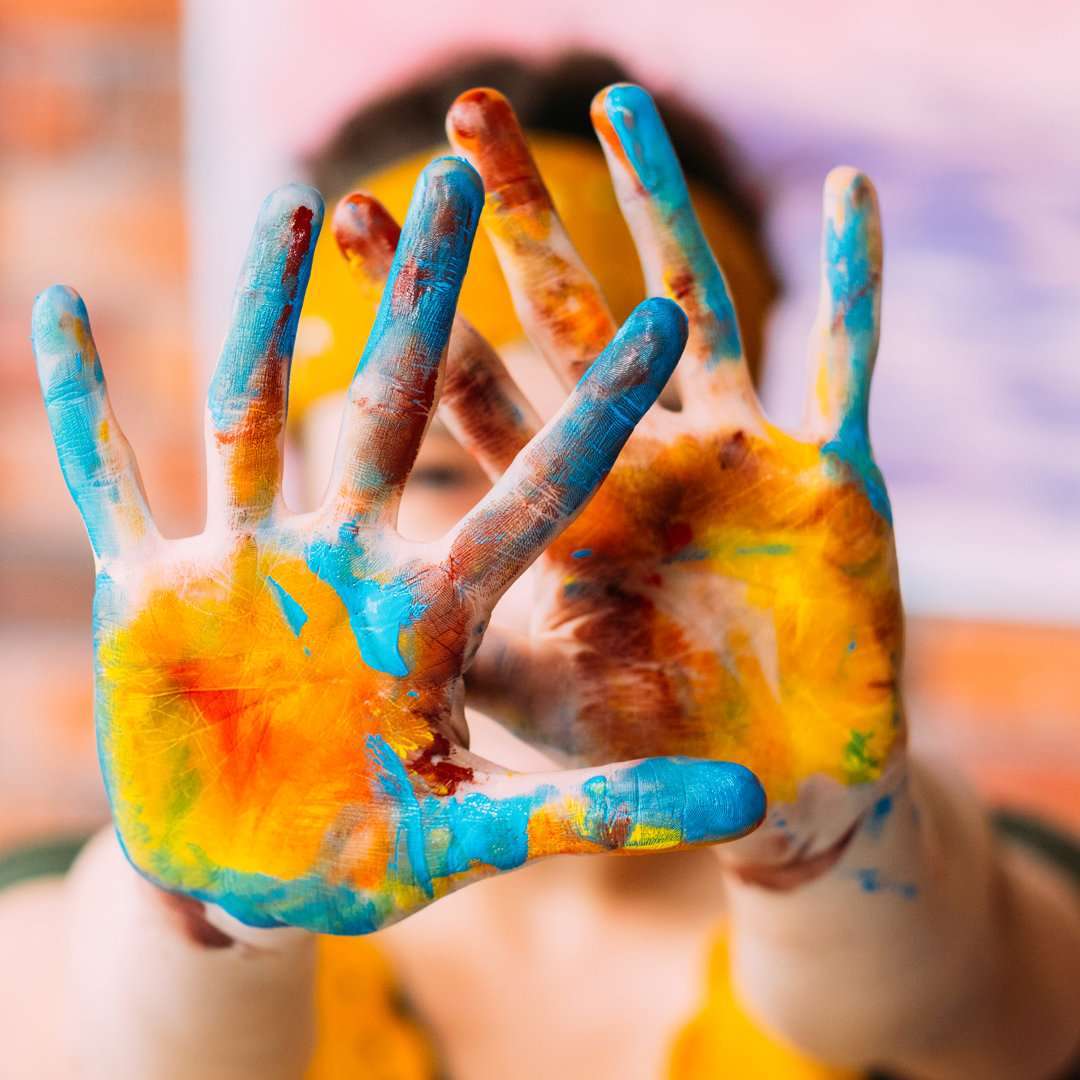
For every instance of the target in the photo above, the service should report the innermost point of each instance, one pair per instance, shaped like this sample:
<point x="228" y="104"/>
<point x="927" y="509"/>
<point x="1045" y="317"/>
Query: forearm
<point x="928" y="949"/>
<point x="163" y="989"/>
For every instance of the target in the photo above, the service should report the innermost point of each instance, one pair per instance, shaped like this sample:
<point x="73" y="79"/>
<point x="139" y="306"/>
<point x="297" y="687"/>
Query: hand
<point x="731" y="591"/>
<point x="279" y="699"/>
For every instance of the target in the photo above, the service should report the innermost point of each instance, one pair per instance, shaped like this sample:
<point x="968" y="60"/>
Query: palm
<point x="279" y="699"/>
<point x="725" y="595"/>
<point x="254" y="714"/>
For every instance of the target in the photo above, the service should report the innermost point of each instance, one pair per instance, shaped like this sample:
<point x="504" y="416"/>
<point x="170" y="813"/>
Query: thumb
<point x="503" y="820"/>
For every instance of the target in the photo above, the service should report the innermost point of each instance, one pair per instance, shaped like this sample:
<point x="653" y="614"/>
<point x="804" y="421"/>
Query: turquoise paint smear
<point x="432" y="254"/>
<point x="853" y="287"/>
<point x="266" y="306"/>
<point x="765" y="549"/>
<point x="395" y="781"/>
<point x="584" y="442"/>
<point x="648" y="149"/>
<point x="379" y="614"/>
<point x="700" y="801"/>
<point x="73" y="398"/>
<point x="294" y="614"/>
<point x="852" y="450"/>
<point x="873" y="881"/>
<point x="879" y="813"/>
<point x="581" y="553"/>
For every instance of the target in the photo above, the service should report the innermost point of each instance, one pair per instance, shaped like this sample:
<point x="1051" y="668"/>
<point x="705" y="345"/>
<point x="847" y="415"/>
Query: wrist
<point x="804" y="840"/>
<point x="899" y="929"/>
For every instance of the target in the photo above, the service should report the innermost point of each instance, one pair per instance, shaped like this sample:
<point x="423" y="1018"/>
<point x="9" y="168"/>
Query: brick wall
<point x="91" y="196"/>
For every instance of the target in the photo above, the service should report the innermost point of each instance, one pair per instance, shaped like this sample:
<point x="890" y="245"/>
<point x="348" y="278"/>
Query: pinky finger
<point x="96" y="459"/>
<point x="843" y="344"/>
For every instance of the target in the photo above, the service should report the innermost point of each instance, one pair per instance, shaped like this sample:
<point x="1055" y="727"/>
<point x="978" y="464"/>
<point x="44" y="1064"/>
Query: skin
<point x="279" y="700"/>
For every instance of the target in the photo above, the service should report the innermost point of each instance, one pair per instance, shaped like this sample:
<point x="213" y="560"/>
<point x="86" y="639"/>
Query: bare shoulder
<point x="32" y="935"/>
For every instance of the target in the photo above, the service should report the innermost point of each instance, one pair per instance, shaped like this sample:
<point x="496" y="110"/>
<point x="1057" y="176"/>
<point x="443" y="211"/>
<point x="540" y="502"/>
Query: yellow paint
<point x="724" y="1041"/>
<point x="759" y="616"/>
<point x="362" y="1029"/>
<point x="228" y="744"/>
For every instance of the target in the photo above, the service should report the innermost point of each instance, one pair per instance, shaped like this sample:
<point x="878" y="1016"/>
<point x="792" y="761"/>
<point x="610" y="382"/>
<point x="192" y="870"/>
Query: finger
<point x="96" y="460"/>
<point x="844" y="341"/>
<point x="247" y="401"/>
<point x="396" y="383"/>
<point x="480" y="402"/>
<point x="555" y="297"/>
<point x="500" y="820"/>
<point x="674" y="253"/>
<point x="554" y="476"/>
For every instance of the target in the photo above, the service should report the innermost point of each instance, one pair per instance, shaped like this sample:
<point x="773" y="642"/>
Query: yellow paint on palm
<point x="757" y="604"/>
<point x="244" y="739"/>
<point x="362" y="1028"/>
<point x="723" y="1040"/>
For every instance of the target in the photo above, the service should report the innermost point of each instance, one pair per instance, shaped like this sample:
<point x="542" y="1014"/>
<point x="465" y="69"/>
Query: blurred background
<point x="138" y="137"/>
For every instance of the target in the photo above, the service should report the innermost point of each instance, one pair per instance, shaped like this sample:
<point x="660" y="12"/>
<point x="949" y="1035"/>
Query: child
<point x="280" y="711"/>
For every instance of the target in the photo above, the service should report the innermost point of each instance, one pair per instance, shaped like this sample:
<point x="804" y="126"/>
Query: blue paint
<point x="879" y="812"/>
<point x="395" y="781"/>
<point x="73" y="388"/>
<point x="294" y="614"/>
<point x="581" y="553"/>
<point x="582" y="443"/>
<point x="872" y="881"/>
<point x="647" y="147"/>
<point x="765" y="549"/>
<point x="849" y="454"/>
<point x="411" y="693"/>
<point x="853" y="286"/>
<point x="420" y="297"/>
<point x="379" y="614"/>
<point x="437" y="837"/>
<point x="266" y="305"/>
<point x="851" y="645"/>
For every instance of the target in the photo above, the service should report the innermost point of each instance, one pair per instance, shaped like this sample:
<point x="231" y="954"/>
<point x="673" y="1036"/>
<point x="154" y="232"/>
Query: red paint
<point x="482" y="123"/>
<point x="676" y="536"/>
<point x="365" y="230"/>
<point x="299" y="246"/>
<point x="434" y="765"/>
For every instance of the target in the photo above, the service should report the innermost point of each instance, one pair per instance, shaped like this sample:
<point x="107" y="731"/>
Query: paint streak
<point x="482" y="123"/>
<point x="790" y="565"/>
<point x="682" y="268"/>
<point x="294" y="614"/>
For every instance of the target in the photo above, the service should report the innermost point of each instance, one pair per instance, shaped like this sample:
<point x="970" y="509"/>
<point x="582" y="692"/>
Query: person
<point x="729" y="591"/>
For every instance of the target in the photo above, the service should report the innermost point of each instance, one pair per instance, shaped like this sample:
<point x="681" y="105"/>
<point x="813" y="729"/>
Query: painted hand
<point x="279" y="699"/>
<point x="732" y="590"/>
